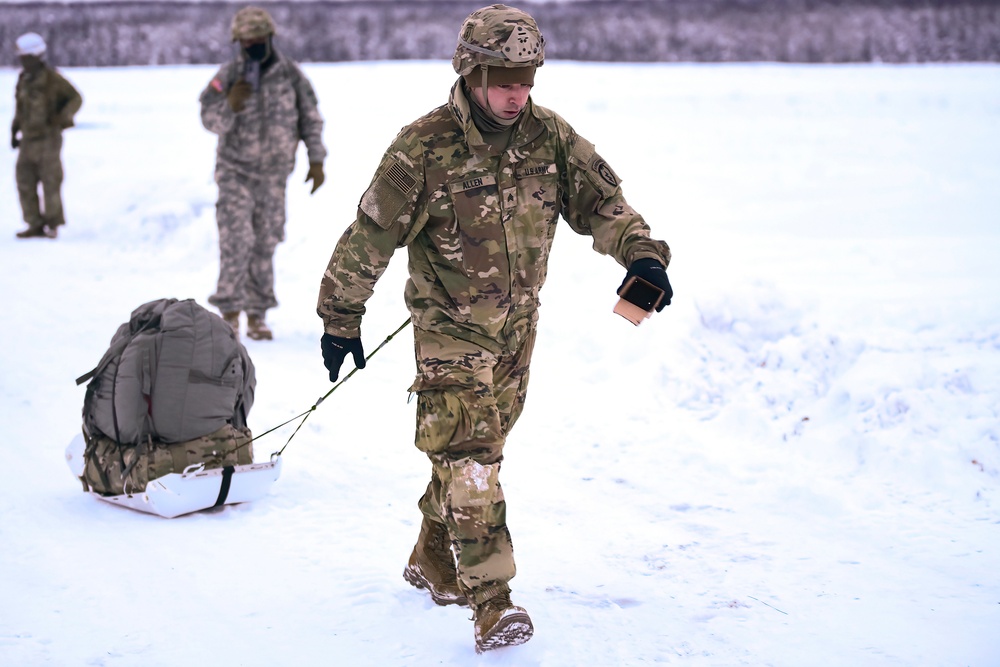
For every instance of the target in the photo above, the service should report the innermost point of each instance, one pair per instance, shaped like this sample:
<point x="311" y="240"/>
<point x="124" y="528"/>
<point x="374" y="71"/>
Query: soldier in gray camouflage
<point x="473" y="190"/>
<point x="45" y="103"/>
<point x="261" y="105"/>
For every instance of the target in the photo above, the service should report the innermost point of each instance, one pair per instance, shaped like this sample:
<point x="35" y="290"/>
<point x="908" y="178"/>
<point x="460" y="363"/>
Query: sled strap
<point x="227" y="479"/>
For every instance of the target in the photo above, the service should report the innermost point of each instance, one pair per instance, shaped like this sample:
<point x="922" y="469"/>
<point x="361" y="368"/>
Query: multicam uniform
<point x="255" y="156"/>
<point x="478" y="224"/>
<point x="45" y="103"/>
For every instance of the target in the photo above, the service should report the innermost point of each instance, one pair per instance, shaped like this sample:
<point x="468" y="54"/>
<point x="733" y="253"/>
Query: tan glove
<point x="238" y="95"/>
<point x="315" y="175"/>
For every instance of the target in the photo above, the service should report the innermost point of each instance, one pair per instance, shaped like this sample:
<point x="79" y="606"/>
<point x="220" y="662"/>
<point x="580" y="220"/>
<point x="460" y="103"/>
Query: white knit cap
<point x="30" y="44"/>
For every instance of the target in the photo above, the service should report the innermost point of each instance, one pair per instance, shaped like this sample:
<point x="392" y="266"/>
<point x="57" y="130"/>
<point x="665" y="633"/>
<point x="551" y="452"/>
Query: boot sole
<point x="414" y="578"/>
<point x="511" y="630"/>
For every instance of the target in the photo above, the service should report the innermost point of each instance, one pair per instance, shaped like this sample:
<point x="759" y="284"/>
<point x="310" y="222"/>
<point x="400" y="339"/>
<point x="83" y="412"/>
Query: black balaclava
<point x="262" y="53"/>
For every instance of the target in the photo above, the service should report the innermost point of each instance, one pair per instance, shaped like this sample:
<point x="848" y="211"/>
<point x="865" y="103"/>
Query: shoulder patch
<point x="583" y="151"/>
<point x="392" y="190"/>
<point x="599" y="173"/>
<point x="605" y="172"/>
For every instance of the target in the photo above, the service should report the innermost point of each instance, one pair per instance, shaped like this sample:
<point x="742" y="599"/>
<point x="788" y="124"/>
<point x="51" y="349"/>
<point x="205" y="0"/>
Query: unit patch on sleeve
<point x="606" y="173"/>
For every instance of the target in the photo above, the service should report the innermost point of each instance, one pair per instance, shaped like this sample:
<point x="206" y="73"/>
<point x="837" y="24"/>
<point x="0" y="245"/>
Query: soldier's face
<point x="247" y="43"/>
<point x="506" y="100"/>
<point x="30" y="64"/>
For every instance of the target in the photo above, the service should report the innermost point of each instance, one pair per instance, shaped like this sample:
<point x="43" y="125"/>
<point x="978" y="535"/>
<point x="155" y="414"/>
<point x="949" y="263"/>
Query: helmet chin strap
<point x="486" y="98"/>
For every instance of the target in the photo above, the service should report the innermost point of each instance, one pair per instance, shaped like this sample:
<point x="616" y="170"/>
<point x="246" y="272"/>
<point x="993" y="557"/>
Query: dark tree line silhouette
<point x="804" y="31"/>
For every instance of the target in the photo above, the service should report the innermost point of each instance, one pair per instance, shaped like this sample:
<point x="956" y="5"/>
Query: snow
<point x="797" y="463"/>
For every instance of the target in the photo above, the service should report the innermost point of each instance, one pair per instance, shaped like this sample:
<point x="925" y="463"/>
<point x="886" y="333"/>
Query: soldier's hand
<point x="238" y="95"/>
<point x="335" y="350"/>
<point x="653" y="272"/>
<point x="14" y="141"/>
<point x="315" y="175"/>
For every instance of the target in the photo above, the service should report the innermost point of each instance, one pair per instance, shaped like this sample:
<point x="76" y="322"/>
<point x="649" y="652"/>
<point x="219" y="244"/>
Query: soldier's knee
<point x="474" y="485"/>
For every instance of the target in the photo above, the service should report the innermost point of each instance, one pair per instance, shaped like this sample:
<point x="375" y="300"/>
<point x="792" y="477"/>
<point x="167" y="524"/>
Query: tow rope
<point x="305" y="415"/>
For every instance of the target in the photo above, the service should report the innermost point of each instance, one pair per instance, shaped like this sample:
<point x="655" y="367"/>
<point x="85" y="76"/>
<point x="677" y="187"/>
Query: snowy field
<point x="796" y="464"/>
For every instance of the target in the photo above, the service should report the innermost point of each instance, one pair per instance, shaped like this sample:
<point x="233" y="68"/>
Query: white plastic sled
<point x="193" y="490"/>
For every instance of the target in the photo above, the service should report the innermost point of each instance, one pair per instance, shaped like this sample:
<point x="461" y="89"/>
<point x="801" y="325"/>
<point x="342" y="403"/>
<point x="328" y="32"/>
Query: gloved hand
<point x="14" y="141"/>
<point x="315" y="175"/>
<point x="238" y="95"/>
<point x="335" y="350"/>
<point x="653" y="272"/>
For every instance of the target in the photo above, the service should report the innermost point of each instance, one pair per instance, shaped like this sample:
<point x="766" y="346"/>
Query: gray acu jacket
<point x="261" y="140"/>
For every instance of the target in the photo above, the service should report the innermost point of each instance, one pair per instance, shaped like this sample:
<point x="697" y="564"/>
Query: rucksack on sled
<point x="166" y="405"/>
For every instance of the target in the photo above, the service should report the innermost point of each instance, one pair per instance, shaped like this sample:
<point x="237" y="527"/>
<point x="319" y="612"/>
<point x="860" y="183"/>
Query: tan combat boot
<point x="432" y="565"/>
<point x="257" y="329"/>
<point x="233" y="320"/>
<point x="500" y="623"/>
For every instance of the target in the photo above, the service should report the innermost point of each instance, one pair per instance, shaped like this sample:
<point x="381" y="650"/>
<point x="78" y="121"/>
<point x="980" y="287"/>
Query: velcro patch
<point x="583" y="151"/>
<point x="472" y="183"/>
<point x="599" y="173"/>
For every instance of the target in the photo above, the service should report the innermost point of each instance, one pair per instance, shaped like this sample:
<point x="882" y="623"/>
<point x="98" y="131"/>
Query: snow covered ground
<point x="795" y="464"/>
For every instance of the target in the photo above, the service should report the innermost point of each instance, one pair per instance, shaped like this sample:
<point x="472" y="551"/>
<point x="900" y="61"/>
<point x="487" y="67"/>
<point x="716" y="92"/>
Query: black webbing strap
<point x="227" y="479"/>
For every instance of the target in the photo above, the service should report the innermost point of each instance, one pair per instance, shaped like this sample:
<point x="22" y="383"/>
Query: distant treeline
<point x="804" y="31"/>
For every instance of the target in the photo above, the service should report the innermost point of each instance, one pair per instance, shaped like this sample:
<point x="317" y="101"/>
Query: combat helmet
<point x="251" y="23"/>
<point x="502" y="42"/>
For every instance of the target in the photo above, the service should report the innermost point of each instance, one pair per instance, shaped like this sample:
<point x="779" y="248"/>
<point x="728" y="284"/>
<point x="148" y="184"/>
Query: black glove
<point x="238" y="95"/>
<point x="653" y="272"/>
<point x="335" y="350"/>
<point x="14" y="142"/>
<point x="315" y="175"/>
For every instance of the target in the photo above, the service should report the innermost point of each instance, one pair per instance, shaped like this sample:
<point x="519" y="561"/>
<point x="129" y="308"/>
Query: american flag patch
<point x="216" y="84"/>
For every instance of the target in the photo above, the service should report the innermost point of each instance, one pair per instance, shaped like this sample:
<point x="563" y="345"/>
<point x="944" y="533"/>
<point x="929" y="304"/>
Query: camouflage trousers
<point x="38" y="161"/>
<point x="468" y="399"/>
<point x="250" y="214"/>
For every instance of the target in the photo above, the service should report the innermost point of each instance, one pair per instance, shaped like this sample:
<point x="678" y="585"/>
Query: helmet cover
<point x="498" y="36"/>
<point x="252" y="23"/>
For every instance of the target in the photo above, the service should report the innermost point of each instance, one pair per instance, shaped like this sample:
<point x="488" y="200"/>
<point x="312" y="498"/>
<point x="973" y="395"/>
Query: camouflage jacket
<point x="478" y="224"/>
<point x="44" y="104"/>
<point x="261" y="139"/>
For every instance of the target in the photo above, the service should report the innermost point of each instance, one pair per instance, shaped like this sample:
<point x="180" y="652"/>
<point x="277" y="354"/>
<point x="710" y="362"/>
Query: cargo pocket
<point x="442" y="419"/>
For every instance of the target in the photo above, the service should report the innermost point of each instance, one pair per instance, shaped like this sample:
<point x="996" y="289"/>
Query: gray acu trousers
<point x="250" y="214"/>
